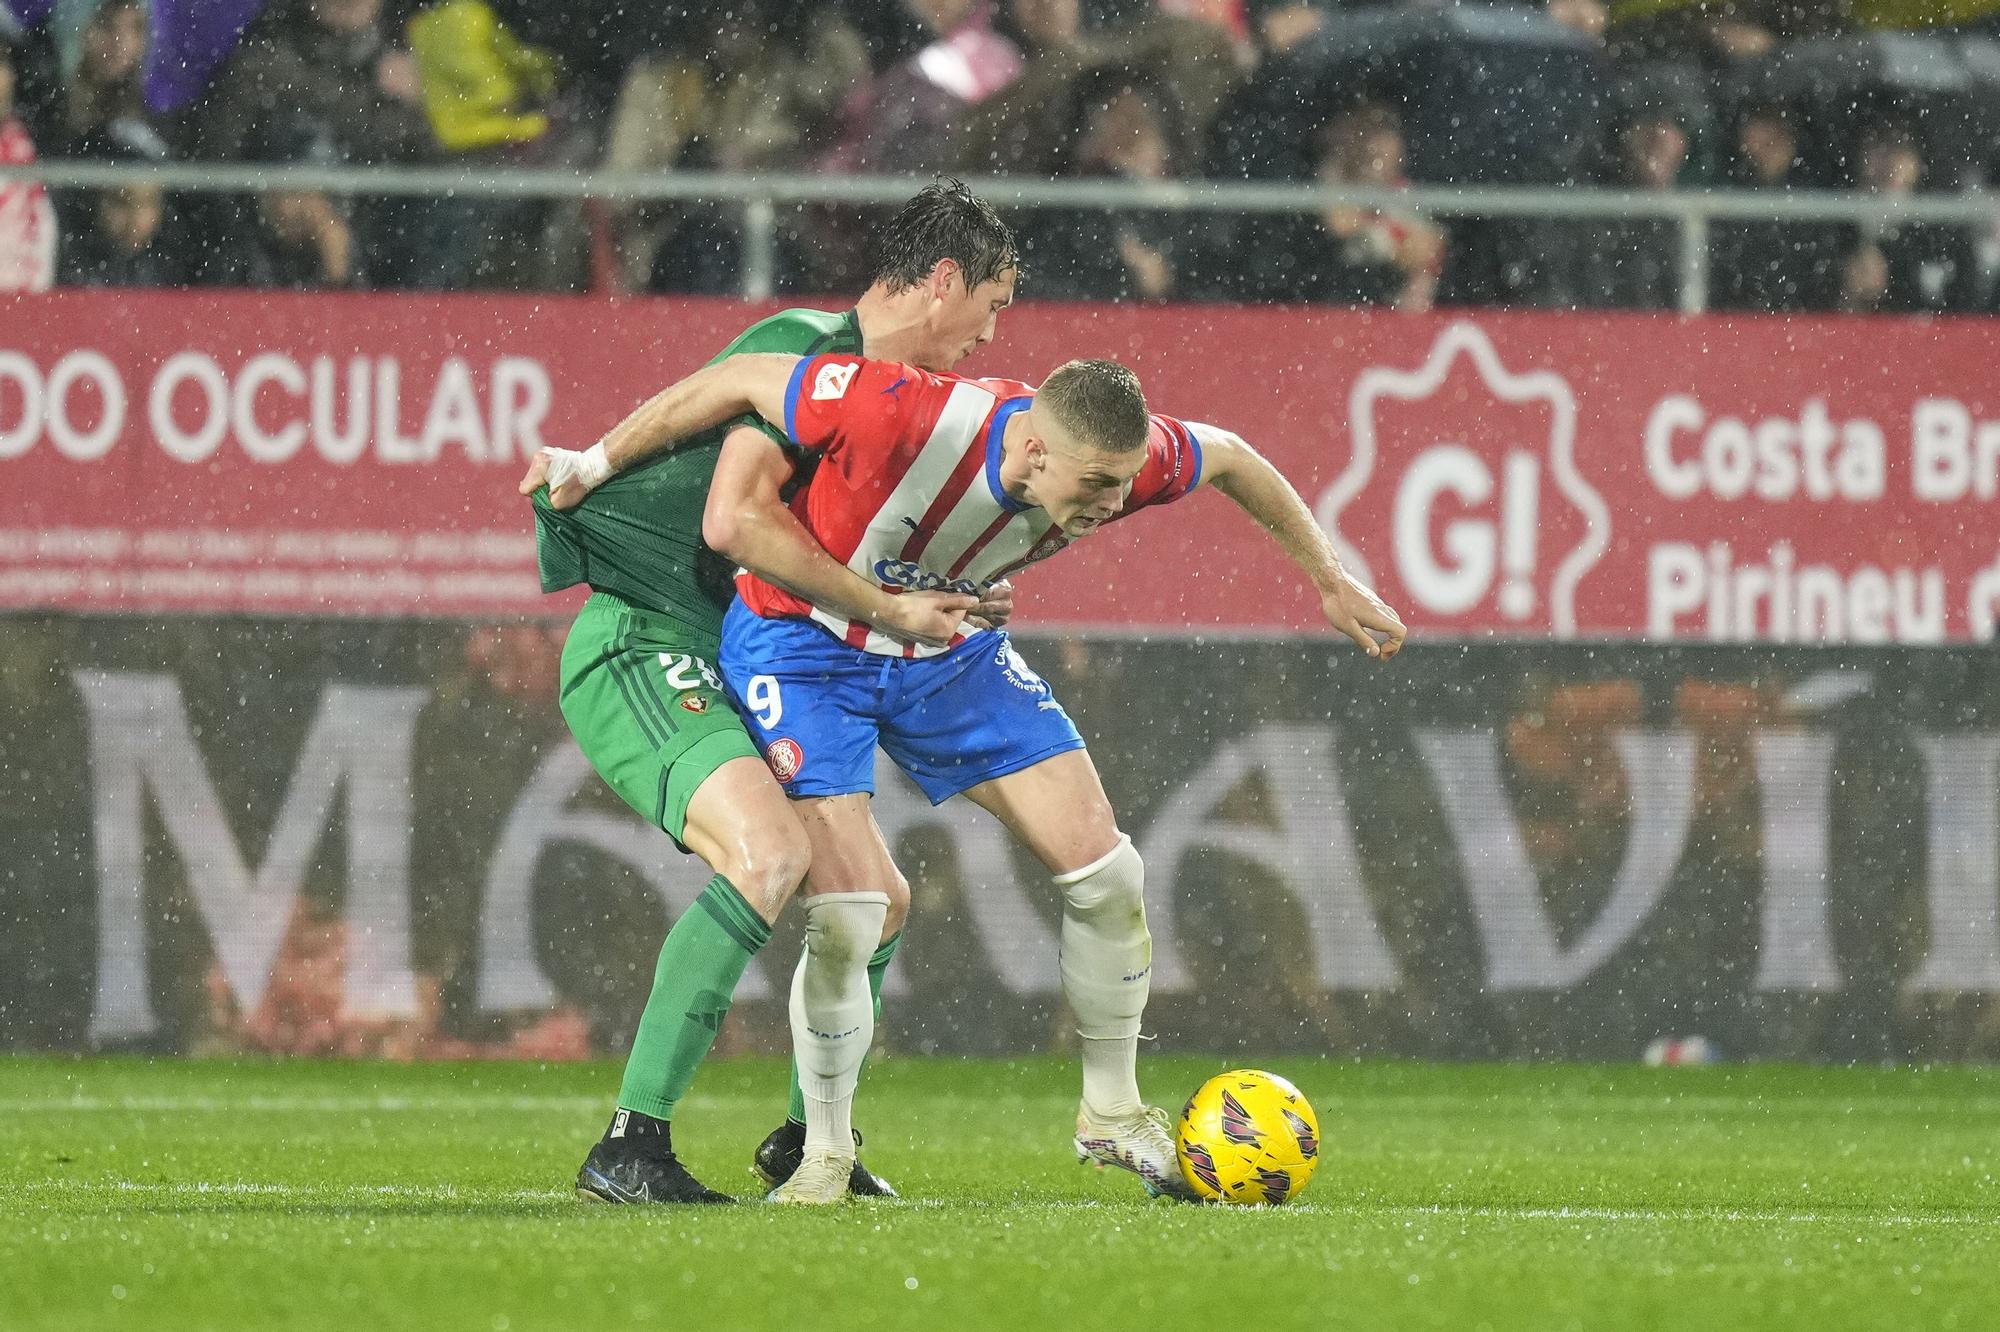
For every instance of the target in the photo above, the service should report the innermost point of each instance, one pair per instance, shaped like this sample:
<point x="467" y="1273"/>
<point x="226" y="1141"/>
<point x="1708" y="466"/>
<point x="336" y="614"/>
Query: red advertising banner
<point x="1521" y="475"/>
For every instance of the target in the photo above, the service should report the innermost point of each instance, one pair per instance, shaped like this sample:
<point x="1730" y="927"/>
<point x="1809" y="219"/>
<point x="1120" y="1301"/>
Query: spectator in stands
<point x="1123" y="128"/>
<point x="1720" y="32"/>
<point x="482" y="86"/>
<point x="1021" y="128"/>
<point x="1349" y="255"/>
<point x="1368" y="256"/>
<point x="103" y="88"/>
<point x="1254" y="135"/>
<point x="764" y="97"/>
<point x="117" y="242"/>
<point x="902" y="121"/>
<point x="1627" y="263"/>
<point x="338" y="63"/>
<point x="1586" y="16"/>
<point x="1769" y="266"/>
<point x="1902" y="267"/>
<point x="492" y="101"/>
<point x="302" y="238"/>
<point x="27" y="221"/>
<point x="304" y="242"/>
<point x="1276" y="26"/>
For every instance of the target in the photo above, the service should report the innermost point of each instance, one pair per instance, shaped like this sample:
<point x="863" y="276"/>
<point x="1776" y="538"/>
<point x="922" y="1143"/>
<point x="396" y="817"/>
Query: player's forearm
<point x="770" y="542"/>
<point x="711" y="396"/>
<point x="1261" y="490"/>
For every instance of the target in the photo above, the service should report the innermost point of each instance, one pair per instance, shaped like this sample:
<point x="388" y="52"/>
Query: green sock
<point x="700" y="963"/>
<point x="878" y="966"/>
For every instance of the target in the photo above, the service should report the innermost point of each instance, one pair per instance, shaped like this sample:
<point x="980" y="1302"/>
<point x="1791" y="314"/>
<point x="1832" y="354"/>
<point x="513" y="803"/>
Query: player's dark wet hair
<point x="1098" y="402"/>
<point x="944" y="221"/>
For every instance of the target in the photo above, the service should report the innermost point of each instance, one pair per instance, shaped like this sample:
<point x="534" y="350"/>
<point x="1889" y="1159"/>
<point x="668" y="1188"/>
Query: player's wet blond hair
<point x="1097" y="404"/>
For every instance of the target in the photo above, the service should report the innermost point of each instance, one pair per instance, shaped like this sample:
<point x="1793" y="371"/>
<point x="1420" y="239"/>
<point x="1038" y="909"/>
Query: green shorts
<point x="641" y="695"/>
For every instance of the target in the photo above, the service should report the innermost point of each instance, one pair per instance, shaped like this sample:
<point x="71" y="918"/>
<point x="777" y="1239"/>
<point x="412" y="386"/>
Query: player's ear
<point x="945" y="275"/>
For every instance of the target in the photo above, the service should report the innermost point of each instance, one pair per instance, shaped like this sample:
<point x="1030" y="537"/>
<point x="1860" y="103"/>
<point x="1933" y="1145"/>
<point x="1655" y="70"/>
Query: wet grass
<point x="166" y="1195"/>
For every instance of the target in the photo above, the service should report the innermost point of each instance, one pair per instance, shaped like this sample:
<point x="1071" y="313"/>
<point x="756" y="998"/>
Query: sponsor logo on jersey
<point x="902" y="573"/>
<point x="1020" y="674"/>
<point x="832" y="380"/>
<point x="695" y="703"/>
<point x="895" y="390"/>
<point x="785" y="758"/>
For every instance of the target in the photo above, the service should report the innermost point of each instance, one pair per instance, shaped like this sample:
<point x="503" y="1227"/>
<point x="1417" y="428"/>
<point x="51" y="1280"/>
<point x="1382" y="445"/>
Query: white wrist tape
<point x="593" y="466"/>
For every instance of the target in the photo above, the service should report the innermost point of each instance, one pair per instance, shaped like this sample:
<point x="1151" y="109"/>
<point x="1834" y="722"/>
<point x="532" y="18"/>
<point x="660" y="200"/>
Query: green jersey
<point x="638" y="536"/>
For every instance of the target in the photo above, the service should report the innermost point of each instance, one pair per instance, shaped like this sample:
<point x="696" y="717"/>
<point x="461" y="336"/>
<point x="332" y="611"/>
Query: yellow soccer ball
<point x="1248" y="1137"/>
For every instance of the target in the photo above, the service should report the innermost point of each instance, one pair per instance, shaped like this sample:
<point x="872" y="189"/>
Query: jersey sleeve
<point x="1173" y="465"/>
<point x="839" y="401"/>
<point x="791" y="333"/>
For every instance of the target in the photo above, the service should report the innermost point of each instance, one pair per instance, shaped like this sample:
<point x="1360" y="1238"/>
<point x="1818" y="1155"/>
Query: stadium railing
<point x="760" y="196"/>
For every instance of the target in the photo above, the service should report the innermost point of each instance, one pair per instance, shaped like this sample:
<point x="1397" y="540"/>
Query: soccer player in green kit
<point x="639" y="687"/>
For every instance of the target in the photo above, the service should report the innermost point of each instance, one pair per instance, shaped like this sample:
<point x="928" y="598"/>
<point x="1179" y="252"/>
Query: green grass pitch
<point x="171" y="1194"/>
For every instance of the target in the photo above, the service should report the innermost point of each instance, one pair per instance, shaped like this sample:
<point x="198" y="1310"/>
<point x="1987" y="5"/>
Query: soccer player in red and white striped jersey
<point x="931" y="482"/>
<point x="908" y="490"/>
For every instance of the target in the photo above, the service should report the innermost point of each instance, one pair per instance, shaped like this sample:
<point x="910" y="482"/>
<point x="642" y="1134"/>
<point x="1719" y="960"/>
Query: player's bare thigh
<point x="1057" y="808"/>
<point x="849" y="854"/>
<point x="741" y="824"/>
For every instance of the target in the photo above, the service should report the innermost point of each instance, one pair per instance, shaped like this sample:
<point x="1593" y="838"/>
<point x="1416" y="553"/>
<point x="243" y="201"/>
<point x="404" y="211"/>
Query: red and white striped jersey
<point x="907" y="490"/>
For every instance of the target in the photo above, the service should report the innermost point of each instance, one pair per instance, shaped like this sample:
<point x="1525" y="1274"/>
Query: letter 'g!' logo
<point x="1464" y="477"/>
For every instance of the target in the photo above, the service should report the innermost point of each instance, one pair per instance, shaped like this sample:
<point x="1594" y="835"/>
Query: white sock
<point x="1107" y="967"/>
<point x="1111" y="1077"/>
<point x="833" y="1013"/>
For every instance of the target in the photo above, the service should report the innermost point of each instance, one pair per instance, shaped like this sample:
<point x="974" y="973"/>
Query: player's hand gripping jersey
<point x="907" y="491"/>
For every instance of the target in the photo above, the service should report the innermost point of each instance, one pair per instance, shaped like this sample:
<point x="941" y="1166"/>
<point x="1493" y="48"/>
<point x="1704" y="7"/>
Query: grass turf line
<point x="184" y="1194"/>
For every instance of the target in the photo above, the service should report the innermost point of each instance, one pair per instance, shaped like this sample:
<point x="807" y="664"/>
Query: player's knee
<point x="1114" y="886"/>
<point x="899" y="904"/>
<point x="844" y="929"/>
<point x="771" y="869"/>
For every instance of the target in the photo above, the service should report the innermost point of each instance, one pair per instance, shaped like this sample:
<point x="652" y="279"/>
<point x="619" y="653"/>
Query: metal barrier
<point x="759" y="196"/>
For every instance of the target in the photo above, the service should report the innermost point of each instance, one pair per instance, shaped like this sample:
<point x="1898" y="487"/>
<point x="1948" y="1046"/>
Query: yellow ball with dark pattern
<point x="1248" y="1137"/>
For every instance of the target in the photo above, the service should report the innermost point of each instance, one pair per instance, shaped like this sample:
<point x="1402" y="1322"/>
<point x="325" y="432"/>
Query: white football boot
<point x="821" y="1178"/>
<point x="1141" y="1143"/>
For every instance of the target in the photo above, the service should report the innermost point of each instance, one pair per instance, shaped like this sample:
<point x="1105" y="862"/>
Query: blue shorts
<point x="817" y="708"/>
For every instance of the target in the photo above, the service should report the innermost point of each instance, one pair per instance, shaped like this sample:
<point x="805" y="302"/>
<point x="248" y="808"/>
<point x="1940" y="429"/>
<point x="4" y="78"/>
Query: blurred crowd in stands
<point x="1892" y="97"/>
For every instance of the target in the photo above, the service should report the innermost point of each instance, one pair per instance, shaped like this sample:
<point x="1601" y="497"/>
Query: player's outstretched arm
<point x="750" y="382"/>
<point x="1260" y="490"/>
<point x="746" y="521"/>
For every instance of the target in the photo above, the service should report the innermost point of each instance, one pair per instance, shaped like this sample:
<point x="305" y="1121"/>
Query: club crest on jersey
<point x="785" y="759"/>
<point x="1046" y="547"/>
<point x="832" y="380"/>
<point x="695" y="703"/>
